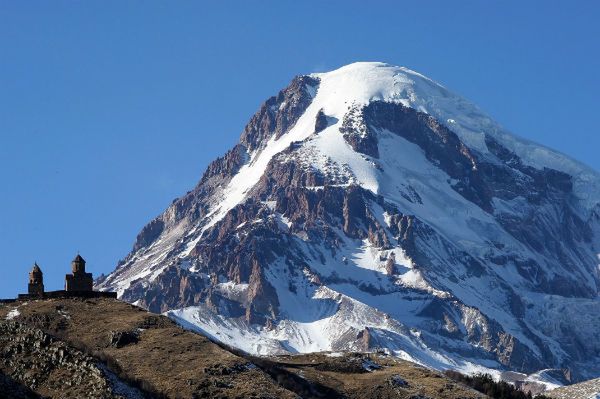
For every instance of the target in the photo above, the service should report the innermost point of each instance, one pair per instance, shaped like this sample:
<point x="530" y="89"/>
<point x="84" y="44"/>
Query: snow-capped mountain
<point x="369" y="207"/>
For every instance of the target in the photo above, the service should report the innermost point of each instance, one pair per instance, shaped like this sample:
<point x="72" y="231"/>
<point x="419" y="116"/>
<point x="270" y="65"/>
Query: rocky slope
<point x="584" y="390"/>
<point x="369" y="207"/>
<point x="52" y="368"/>
<point x="104" y="348"/>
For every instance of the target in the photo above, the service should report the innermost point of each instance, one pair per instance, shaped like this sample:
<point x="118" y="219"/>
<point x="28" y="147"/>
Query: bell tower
<point x="78" y="265"/>
<point x="36" y="281"/>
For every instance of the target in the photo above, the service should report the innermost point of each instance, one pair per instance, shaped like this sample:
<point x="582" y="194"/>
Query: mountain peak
<point x="371" y="207"/>
<point x="366" y="67"/>
<point x="361" y="82"/>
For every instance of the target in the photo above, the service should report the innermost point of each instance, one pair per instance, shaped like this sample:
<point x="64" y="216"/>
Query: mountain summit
<point x="369" y="207"/>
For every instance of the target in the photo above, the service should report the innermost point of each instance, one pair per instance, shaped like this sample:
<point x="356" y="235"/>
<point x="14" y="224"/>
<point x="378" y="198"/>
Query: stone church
<point x="78" y="283"/>
<point x="79" y="280"/>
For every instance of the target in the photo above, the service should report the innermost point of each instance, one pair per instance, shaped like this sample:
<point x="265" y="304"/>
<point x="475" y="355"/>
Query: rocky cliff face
<point x="369" y="207"/>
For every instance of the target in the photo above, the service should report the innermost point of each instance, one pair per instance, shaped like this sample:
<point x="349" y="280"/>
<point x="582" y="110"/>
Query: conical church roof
<point x="36" y="268"/>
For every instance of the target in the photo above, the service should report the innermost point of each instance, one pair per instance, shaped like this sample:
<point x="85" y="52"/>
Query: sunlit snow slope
<point x="369" y="207"/>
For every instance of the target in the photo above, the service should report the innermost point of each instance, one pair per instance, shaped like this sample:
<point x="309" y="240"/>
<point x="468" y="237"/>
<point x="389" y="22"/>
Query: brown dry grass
<point x="345" y="374"/>
<point x="167" y="359"/>
<point x="181" y="364"/>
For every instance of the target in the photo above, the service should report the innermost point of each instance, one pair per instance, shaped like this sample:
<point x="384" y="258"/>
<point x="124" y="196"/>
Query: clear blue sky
<point x="111" y="109"/>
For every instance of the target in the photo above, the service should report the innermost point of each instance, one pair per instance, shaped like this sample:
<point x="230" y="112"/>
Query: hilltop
<point x="105" y="348"/>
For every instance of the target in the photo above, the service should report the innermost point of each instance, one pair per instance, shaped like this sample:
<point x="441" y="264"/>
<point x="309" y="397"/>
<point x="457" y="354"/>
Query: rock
<point x="38" y="359"/>
<point x="119" y="339"/>
<point x="397" y="381"/>
<point x="320" y="122"/>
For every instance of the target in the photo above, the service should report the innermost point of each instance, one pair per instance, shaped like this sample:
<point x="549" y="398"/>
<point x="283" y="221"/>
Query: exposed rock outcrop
<point x="52" y="368"/>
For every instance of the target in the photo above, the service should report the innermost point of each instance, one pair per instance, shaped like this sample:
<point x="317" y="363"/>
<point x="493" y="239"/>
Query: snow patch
<point x="13" y="314"/>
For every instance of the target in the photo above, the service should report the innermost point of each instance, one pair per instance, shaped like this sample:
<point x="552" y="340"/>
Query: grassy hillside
<point x="140" y="354"/>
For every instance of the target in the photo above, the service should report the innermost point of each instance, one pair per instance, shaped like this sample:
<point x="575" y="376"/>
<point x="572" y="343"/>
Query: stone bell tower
<point x="79" y="280"/>
<point x="36" y="281"/>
